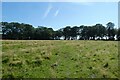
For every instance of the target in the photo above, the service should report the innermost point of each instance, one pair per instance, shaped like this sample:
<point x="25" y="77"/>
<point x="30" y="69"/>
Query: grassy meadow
<point x="59" y="59"/>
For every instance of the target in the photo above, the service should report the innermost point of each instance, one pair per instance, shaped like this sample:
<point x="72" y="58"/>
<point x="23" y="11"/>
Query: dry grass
<point x="59" y="59"/>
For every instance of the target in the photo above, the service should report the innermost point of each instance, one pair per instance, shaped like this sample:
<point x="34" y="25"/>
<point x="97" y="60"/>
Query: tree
<point x="44" y="33"/>
<point x="85" y="33"/>
<point x="91" y="32"/>
<point x="50" y="32"/>
<point x="74" y="32"/>
<point x="110" y="30"/>
<point x="99" y="31"/>
<point x="58" y="34"/>
<point x="4" y="30"/>
<point x="118" y="34"/>
<point x="67" y="32"/>
<point x="81" y="33"/>
<point x="15" y="30"/>
<point x="28" y="31"/>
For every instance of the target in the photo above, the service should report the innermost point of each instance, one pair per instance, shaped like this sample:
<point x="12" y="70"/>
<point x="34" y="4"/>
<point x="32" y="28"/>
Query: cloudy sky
<point x="60" y="0"/>
<point x="60" y="14"/>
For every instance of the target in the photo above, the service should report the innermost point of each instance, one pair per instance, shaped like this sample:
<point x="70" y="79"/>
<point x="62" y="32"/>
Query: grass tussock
<point x="59" y="59"/>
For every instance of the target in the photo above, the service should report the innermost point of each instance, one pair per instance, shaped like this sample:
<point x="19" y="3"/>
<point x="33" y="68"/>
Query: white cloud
<point x="56" y="13"/>
<point x="47" y="11"/>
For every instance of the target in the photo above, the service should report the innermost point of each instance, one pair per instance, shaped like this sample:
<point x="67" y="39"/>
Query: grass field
<point x="59" y="59"/>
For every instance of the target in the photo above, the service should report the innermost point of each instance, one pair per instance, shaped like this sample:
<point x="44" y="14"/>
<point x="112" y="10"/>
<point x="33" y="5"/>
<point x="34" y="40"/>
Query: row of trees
<point x="21" y="31"/>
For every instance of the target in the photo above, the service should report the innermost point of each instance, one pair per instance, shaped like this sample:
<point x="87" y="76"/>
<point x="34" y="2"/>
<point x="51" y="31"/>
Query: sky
<point x="60" y="14"/>
<point x="60" y="0"/>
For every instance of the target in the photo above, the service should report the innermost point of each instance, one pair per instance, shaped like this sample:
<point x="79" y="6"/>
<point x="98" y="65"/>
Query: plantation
<point x="59" y="59"/>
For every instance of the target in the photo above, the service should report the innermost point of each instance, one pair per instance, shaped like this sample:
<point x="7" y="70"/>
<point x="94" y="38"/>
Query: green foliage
<point x="23" y="31"/>
<point x="110" y="30"/>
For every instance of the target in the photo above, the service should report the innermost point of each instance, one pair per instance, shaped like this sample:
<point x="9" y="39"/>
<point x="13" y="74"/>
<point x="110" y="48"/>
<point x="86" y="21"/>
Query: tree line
<point x="21" y="31"/>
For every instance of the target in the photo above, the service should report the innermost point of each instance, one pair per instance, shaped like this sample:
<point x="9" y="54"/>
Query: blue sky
<point x="60" y="14"/>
